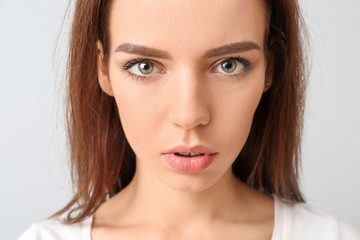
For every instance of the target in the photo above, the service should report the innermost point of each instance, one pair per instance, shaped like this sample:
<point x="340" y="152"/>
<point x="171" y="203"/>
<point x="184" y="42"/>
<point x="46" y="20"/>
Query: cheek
<point x="236" y="126"/>
<point x="234" y="115"/>
<point x="137" y="115"/>
<point x="235" y="130"/>
<point x="138" y="120"/>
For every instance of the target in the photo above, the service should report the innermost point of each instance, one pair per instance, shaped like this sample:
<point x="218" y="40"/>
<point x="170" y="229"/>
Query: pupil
<point x="228" y="65"/>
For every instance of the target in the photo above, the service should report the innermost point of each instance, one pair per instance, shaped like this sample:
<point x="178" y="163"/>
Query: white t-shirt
<point x="292" y="222"/>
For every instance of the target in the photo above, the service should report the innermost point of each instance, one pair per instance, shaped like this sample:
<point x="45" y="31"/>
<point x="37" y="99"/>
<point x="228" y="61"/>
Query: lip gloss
<point x="188" y="164"/>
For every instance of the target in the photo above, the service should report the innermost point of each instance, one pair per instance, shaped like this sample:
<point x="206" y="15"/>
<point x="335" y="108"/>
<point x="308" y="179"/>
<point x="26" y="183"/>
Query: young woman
<point x="185" y="122"/>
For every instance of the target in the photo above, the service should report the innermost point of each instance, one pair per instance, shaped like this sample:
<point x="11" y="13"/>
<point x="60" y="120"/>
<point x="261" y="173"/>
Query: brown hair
<point x="102" y="161"/>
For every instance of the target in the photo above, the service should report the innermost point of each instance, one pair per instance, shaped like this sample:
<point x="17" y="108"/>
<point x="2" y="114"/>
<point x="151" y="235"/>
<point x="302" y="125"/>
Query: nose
<point x="189" y="106"/>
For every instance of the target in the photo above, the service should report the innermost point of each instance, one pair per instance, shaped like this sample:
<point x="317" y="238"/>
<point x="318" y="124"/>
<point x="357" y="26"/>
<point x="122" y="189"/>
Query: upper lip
<point x="190" y="149"/>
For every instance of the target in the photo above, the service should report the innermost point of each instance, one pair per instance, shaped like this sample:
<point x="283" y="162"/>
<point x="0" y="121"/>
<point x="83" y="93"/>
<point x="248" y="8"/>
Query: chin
<point x="190" y="182"/>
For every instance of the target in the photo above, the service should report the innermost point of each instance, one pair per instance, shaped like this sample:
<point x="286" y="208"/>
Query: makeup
<point x="188" y="164"/>
<point x="189" y="159"/>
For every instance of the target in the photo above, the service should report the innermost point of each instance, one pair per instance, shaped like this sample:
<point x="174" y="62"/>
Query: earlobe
<point x="103" y="76"/>
<point x="267" y="84"/>
<point x="268" y="79"/>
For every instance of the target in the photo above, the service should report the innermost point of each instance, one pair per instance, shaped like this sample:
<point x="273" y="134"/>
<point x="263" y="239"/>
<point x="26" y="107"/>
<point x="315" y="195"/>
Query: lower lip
<point x="189" y="164"/>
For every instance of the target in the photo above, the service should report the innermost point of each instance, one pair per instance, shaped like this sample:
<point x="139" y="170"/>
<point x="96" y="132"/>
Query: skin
<point x="186" y="100"/>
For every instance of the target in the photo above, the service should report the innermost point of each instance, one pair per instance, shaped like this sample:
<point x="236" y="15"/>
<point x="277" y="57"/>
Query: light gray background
<point x="33" y="172"/>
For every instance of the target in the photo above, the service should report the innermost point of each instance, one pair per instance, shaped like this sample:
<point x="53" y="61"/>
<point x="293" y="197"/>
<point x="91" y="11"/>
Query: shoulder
<point x="301" y="221"/>
<point x="54" y="229"/>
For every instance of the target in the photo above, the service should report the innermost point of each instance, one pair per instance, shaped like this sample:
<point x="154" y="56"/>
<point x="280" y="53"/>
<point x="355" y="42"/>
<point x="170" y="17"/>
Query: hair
<point x="102" y="161"/>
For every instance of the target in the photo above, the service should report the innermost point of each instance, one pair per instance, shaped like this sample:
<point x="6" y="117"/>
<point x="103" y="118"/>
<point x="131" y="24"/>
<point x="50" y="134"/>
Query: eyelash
<point x="131" y="63"/>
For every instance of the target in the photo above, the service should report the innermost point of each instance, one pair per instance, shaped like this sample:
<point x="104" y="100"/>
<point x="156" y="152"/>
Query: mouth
<point x="192" y="151"/>
<point x="189" y="159"/>
<point x="189" y="154"/>
<point x="186" y="163"/>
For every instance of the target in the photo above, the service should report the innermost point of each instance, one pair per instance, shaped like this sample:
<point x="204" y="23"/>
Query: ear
<point x="268" y="80"/>
<point x="103" y="76"/>
<point x="269" y="72"/>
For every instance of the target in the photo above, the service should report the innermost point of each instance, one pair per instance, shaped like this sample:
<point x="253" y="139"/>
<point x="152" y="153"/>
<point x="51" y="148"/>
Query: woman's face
<point x="197" y="80"/>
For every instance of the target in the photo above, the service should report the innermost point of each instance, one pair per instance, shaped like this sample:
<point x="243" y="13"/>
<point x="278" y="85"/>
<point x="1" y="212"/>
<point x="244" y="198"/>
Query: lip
<point x="193" y="149"/>
<point x="189" y="164"/>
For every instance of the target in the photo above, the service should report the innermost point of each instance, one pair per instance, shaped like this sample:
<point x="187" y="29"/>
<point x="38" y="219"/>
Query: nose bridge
<point x="190" y="100"/>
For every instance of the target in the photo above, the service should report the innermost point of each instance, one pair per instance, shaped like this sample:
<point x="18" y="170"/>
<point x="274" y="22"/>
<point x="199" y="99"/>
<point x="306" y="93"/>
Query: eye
<point x="140" y="67"/>
<point x="233" y="66"/>
<point x="143" y="68"/>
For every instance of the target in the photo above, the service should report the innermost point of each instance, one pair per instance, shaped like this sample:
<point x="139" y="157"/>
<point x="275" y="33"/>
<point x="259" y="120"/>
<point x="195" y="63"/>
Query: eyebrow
<point x="236" y="47"/>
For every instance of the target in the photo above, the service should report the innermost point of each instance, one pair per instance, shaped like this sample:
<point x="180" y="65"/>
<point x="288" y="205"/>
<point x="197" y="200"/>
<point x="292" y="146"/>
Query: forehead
<point x="186" y="26"/>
